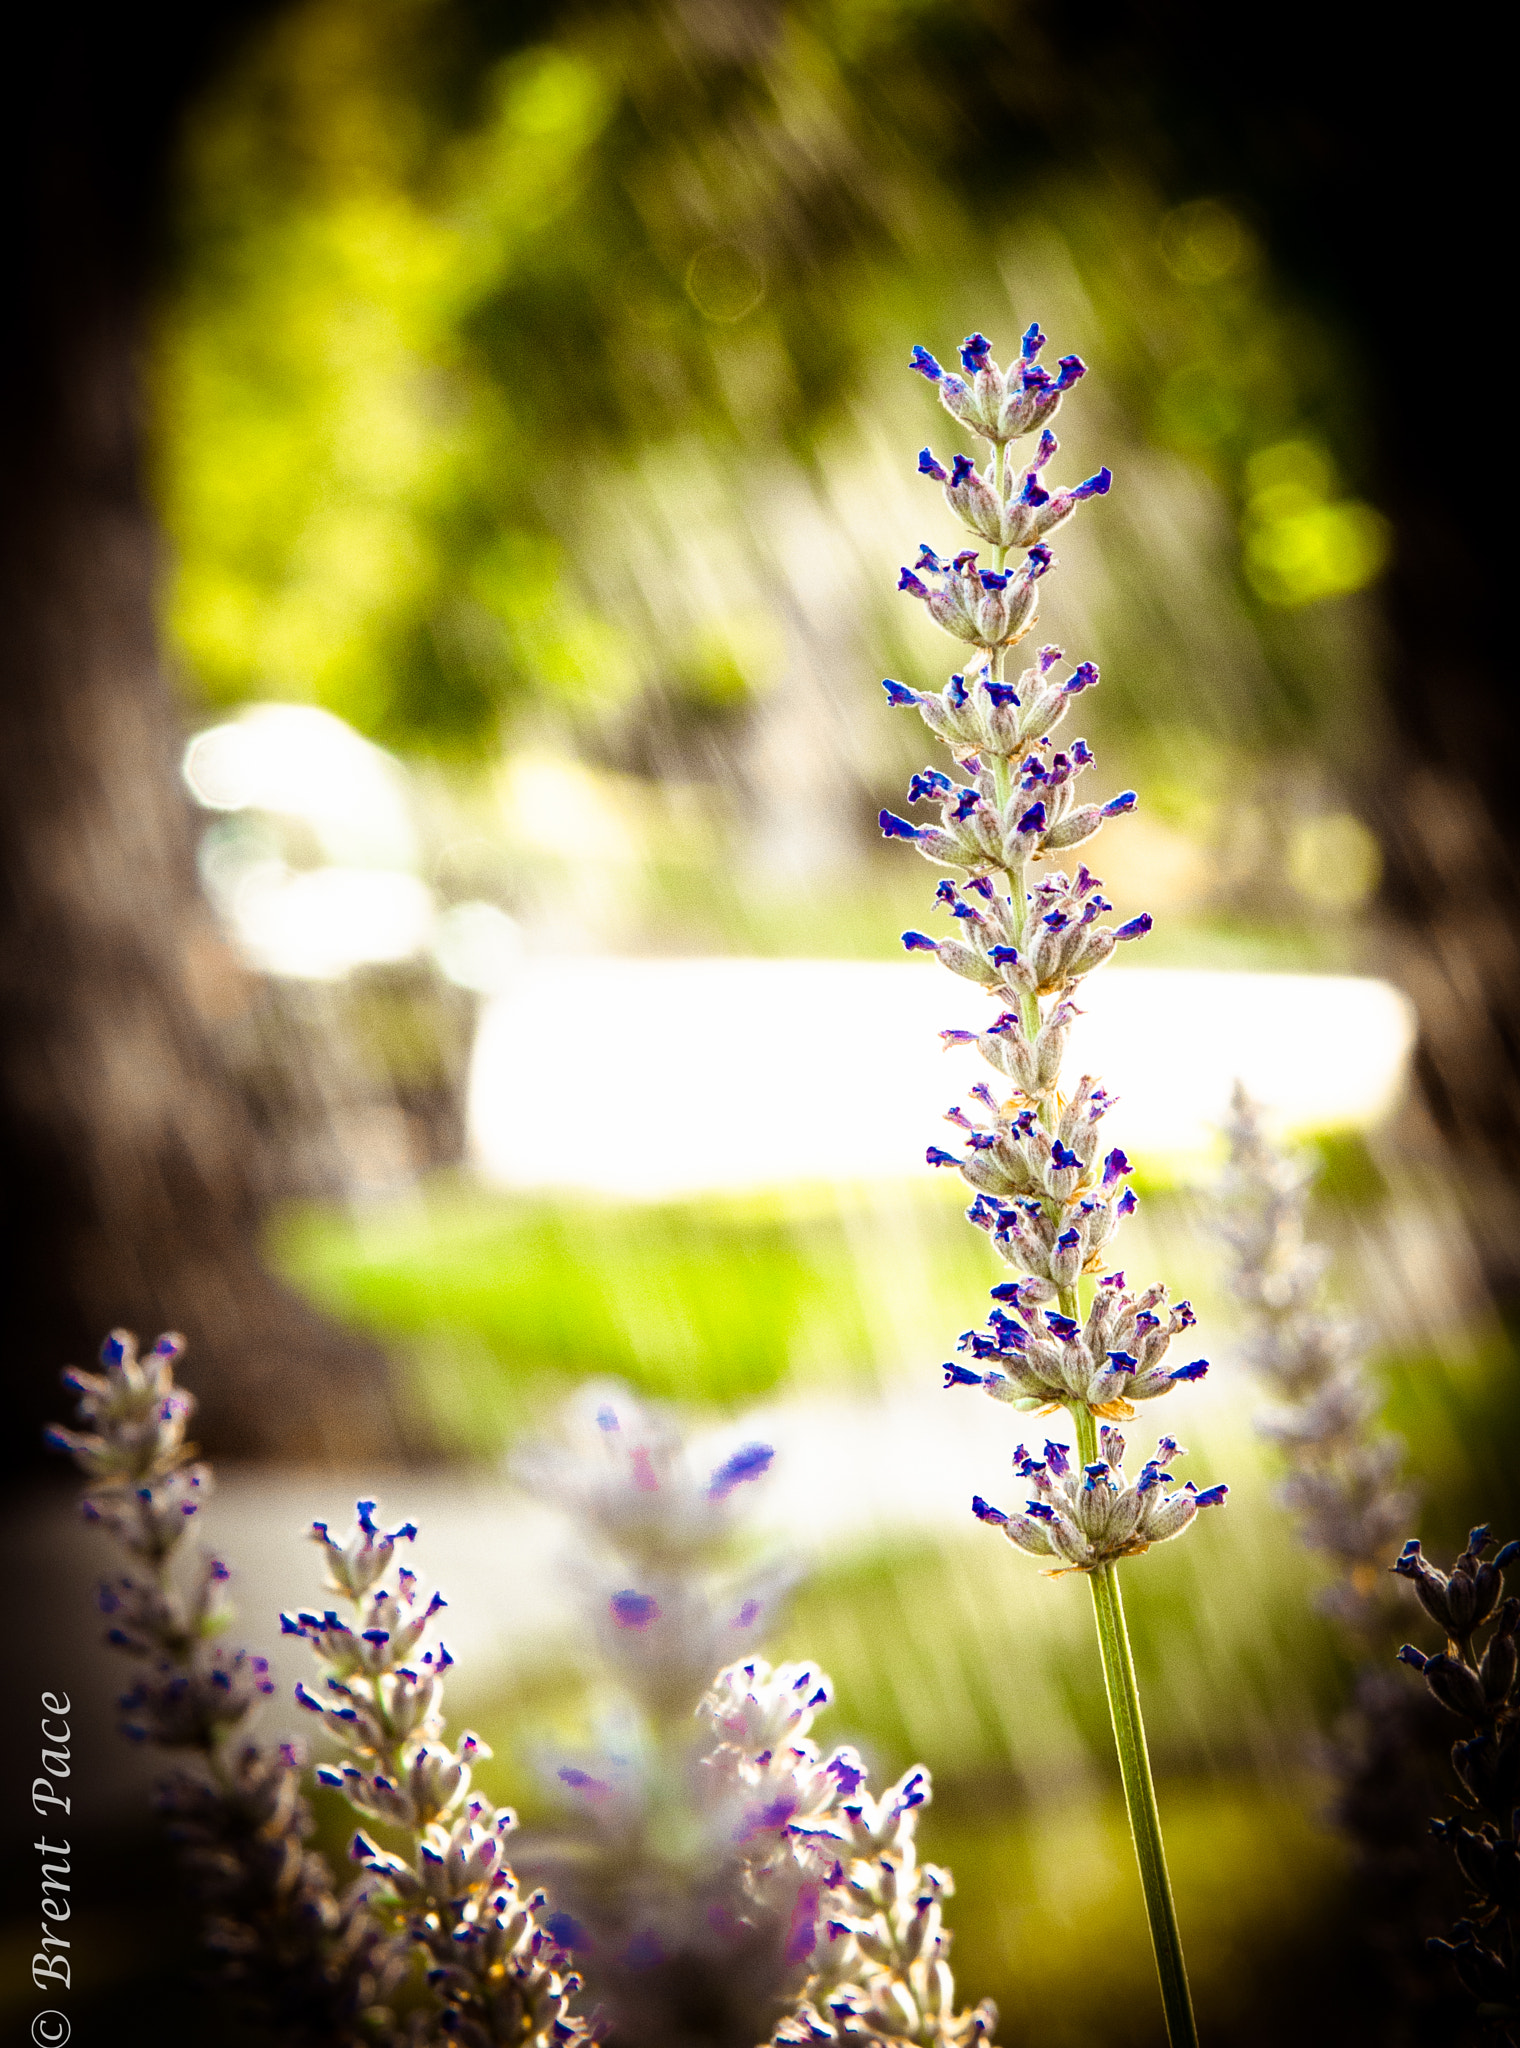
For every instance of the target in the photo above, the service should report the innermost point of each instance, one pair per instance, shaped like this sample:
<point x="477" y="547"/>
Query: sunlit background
<point x="536" y="451"/>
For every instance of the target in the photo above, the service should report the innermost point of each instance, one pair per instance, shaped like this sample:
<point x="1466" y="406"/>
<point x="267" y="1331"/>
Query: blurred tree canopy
<point x="436" y="310"/>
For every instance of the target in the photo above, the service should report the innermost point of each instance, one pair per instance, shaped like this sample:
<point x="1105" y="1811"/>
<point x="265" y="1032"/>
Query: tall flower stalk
<point x="1066" y="1333"/>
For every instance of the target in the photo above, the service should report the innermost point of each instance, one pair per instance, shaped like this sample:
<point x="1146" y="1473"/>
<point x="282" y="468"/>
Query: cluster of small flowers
<point x="493" y="1967"/>
<point x="644" y="1873"/>
<point x="866" y="1940"/>
<point x="1049" y="1195"/>
<point x="1082" y="1517"/>
<point x="1479" y="1687"/>
<point x="311" y="1961"/>
<point x="655" y="1533"/>
<point x="1344" y="1481"/>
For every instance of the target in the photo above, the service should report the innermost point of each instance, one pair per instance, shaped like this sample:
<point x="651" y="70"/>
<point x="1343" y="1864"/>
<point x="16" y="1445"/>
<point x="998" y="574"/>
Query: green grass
<point x="502" y="1303"/>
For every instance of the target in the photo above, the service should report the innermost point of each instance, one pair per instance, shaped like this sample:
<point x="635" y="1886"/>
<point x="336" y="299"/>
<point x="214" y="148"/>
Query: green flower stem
<point x="1139" y="1786"/>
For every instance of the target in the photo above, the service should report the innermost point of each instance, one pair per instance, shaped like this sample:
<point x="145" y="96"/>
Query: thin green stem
<point x="1139" y="1786"/>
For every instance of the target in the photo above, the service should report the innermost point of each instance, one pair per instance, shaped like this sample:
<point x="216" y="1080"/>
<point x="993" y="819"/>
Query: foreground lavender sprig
<point x="493" y="1968"/>
<point x="1049" y="1196"/>
<point x="1344" y="1480"/>
<point x="1480" y="1687"/>
<point x="312" y="1962"/>
<point x="867" y="1941"/>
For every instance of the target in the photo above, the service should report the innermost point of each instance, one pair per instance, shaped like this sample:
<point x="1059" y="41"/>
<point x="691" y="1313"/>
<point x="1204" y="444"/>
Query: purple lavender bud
<point x="1124" y="1361"/>
<point x="965" y="561"/>
<point x="1037" y="562"/>
<point x="925" y="365"/>
<point x="1071" y="367"/>
<point x="1097" y="1470"/>
<point x="1211" y="1497"/>
<point x="959" y="1037"/>
<point x="985" y="1512"/>
<point x="929" y="784"/>
<point x="1056" y="1458"/>
<point x="1068" y="1241"/>
<point x="975" y="351"/>
<point x="994" y="579"/>
<point x="960" y="1376"/>
<point x="750" y="1461"/>
<point x="634" y="1610"/>
<point x="1061" y="1326"/>
<point x="1039" y="1511"/>
<point x="908" y="581"/>
<point x="1114" y="1166"/>
<point x="1033" y="492"/>
<point x="1096" y="486"/>
<point x="1082" y="756"/>
<point x="1032" y="342"/>
<point x="1116" y="806"/>
<point x="958" y="691"/>
<point x="1136" y="928"/>
<point x="1128" y="1203"/>
<point x="899" y="693"/>
<point x="1062" y="1156"/>
<point x="897" y="828"/>
<point x="581" y="1781"/>
<point x="1048" y="657"/>
<point x="1195" y="1371"/>
<point x="1033" y="819"/>
<point x="1083" y="677"/>
<point x="1003" y="695"/>
<point x="567" y="1931"/>
<point x="1408" y="1654"/>
<point x="927" y="466"/>
<point x="935" y="1156"/>
<point x="920" y="942"/>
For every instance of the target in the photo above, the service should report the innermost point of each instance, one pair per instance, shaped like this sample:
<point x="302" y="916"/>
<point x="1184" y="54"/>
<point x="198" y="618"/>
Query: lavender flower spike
<point x="1049" y="1191"/>
<point x="867" y="1943"/>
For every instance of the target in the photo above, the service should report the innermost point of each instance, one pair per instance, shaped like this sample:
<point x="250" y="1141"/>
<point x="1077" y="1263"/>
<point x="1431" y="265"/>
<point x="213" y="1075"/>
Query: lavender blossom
<point x="493" y="1966"/>
<point x="1050" y="1192"/>
<point x="1344" y="1480"/>
<point x="1480" y="1687"/>
<point x="310" y="1962"/>
<point x="866" y="1942"/>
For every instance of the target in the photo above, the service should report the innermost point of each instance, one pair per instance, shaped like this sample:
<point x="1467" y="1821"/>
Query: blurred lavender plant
<point x="1480" y="1688"/>
<point x="1345" y="1486"/>
<point x="1048" y="1197"/>
<point x="724" y="1879"/>
<point x="311" y="1962"/>
<point x="647" y="1884"/>
<point x="1344" y="1480"/>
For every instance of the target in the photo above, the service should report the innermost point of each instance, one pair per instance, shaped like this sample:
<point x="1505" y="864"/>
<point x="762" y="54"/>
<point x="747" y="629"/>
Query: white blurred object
<point x="478" y="946"/>
<point x="652" y="1078"/>
<point x="317" y="926"/>
<point x="303" y="762"/>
